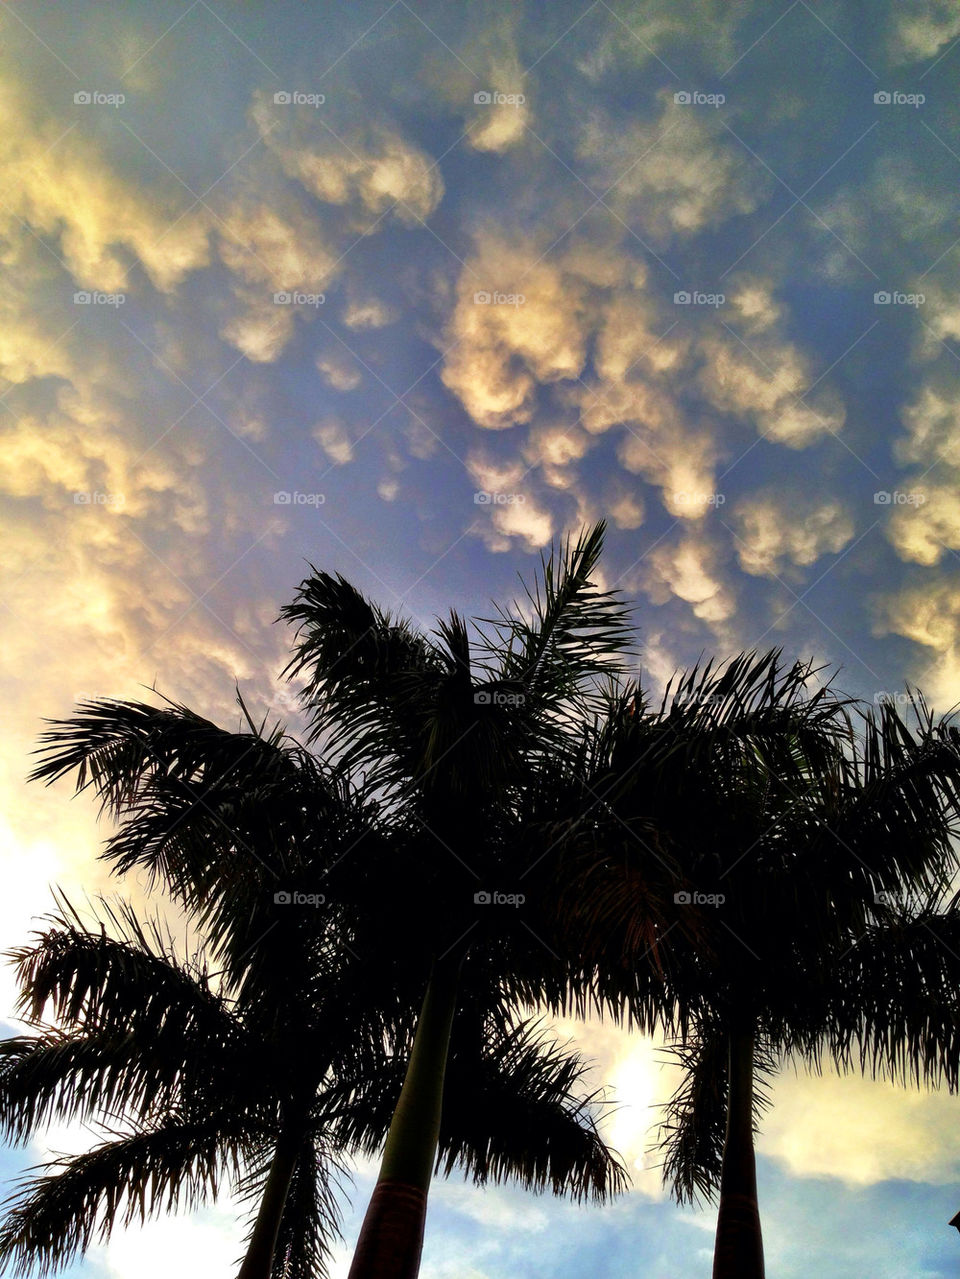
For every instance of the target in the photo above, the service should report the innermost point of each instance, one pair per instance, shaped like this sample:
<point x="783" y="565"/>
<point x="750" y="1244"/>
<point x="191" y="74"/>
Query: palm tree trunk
<point x="739" y="1247"/>
<point x="258" y="1262"/>
<point x="391" y="1237"/>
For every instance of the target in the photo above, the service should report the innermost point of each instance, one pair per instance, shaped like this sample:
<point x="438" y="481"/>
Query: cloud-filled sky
<point x="409" y="290"/>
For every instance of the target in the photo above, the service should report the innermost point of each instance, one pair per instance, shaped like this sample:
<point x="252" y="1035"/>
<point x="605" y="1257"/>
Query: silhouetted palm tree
<point x="792" y="820"/>
<point x="195" y="1087"/>
<point x="433" y="813"/>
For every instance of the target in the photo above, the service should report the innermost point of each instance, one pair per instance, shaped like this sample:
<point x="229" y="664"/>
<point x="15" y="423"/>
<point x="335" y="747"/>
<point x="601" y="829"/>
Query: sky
<point x="409" y="290"/>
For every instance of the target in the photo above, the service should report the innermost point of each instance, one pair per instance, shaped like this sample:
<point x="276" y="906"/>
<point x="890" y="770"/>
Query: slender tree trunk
<point x="391" y="1237"/>
<point x="739" y="1248"/>
<point x="258" y="1262"/>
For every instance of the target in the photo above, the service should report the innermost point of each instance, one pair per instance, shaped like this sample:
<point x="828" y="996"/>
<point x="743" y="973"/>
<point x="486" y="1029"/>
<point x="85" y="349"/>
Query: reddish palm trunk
<point x="391" y="1237"/>
<point x="739" y="1247"/>
<point x="258" y="1262"/>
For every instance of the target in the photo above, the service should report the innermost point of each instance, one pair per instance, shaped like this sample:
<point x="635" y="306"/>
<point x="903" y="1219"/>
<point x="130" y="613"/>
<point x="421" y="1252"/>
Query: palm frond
<point x="567" y="629"/>
<point x="693" y="1130"/>
<point x="310" y="1225"/>
<point x="80" y="1198"/>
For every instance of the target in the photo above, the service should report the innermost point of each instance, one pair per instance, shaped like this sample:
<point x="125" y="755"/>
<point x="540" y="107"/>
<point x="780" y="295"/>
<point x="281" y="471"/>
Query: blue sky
<point x="436" y="299"/>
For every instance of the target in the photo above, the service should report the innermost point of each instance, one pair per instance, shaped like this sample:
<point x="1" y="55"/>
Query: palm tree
<point x="428" y="828"/>
<point x="791" y="821"/>
<point x="195" y="1087"/>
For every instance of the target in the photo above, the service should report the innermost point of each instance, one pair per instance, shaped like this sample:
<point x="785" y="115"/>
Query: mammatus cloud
<point x="774" y="532"/>
<point x="674" y="175"/>
<point x="369" y="168"/>
<point x="517" y="323"/>
<point x="922" y="30"/>
<point x="689" y="569"/>
<point x="929" y="614"/>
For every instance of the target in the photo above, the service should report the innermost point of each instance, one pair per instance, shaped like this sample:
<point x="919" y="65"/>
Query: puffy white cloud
<point x="765" y="381"/>
<point x="517" y="322"/>
<point x="364" y="311"/>
<point x="920" y="29"/>
<point x="688" y="569"/>
<point x="677" y="174"/>
<point x="278" y="244"/>
<point x="334" y="439"/>
<point x="65" y="188"/>
<point x="776" y="529"/>
<point x="626" y="509"/>
<point x="932" y="420"/>
<point x="339" y="369"/>
<point x="369" y="166"/>
<point x="928" y="613"/>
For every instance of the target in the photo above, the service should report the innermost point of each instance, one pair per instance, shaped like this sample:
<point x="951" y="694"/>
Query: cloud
<point x="367" y="166"/>
<point x="339" y="369"/>
<point x="929" y="614"/>
<point x="675" y="175"/>
<point x="858" y="1129"/>
<point x="688" y="569"/>
<point x="921" y="31"/>
<point x="333" y="438"/>
<point x="368" y="312"/>
<point x="776" y="529"/>
<point x="67" y="190"/>
<point x="518" y="322"/>
<point x="766" y="381"/>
